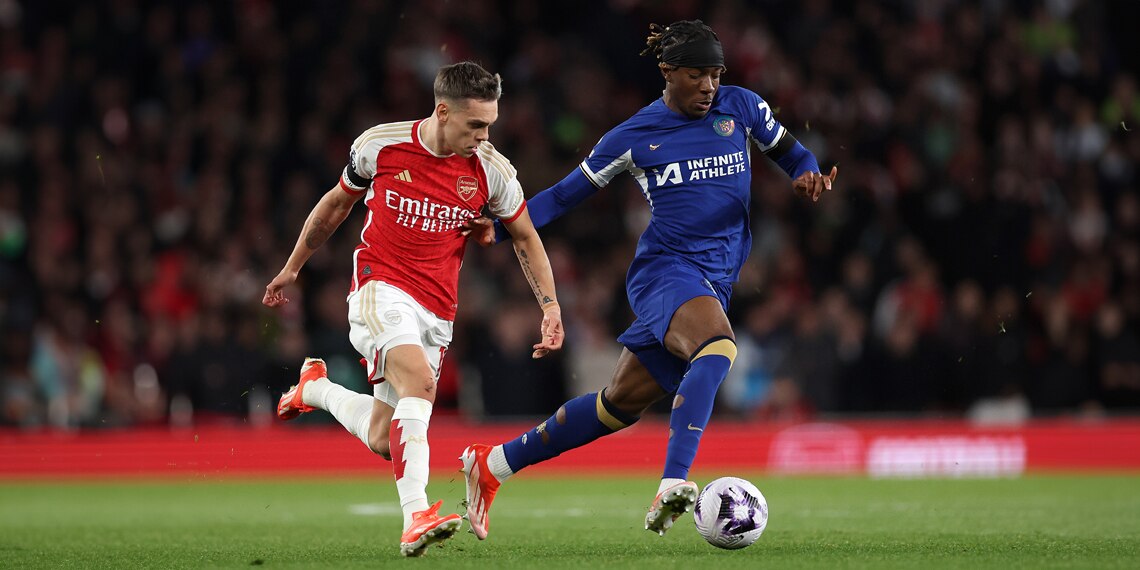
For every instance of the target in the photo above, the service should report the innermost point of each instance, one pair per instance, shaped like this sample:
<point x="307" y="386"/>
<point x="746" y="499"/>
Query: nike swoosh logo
<point x="654" y="146"/>
<point x="695" y="428"/>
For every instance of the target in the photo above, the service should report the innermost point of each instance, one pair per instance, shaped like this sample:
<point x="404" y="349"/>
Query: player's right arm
<point x="330" y="211"/>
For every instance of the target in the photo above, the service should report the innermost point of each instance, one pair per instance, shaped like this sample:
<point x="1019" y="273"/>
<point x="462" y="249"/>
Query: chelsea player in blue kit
<point x="689" y="152"/>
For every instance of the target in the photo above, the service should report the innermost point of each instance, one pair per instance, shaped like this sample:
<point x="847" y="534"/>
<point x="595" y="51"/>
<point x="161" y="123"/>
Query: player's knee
<point x="611" y="415"/>
<point x="423" y="388"/>
<point x="716" y="346"/>
<point x="630" y="399"/>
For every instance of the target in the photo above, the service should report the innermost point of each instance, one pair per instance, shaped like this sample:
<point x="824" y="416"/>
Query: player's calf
<point x="379" y="443"/>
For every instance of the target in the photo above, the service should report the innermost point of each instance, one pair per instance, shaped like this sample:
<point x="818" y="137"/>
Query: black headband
<point x="695" y="54"/>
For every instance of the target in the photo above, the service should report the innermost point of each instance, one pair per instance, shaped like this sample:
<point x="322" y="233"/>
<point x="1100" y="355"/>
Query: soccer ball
<point x="731" y="513"/>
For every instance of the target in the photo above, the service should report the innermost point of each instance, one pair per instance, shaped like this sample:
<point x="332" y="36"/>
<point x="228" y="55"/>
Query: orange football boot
<point x="428" y="528"/>
<point x="291" y="405"/>
<point x="481" y="488"/>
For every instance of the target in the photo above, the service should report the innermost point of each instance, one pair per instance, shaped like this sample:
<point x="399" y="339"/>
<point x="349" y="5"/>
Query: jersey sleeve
<point x="504" y="192"/>
<point x="771" y="137"/>
<point x="761" y="123"/>
<point x="357" y="175"/>
<point x="610" y="157"/>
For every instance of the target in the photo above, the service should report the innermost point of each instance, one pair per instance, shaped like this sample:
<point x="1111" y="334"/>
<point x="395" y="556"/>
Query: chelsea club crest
<point x="724" y="126"/>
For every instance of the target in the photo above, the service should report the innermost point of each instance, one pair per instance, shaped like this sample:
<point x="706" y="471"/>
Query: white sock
<point x="666" y="483"/>
<point x="497" y="463"/>
<point x="314" y="392"/>
<point x="352" y="409"/>
<point x="410" y="454"/>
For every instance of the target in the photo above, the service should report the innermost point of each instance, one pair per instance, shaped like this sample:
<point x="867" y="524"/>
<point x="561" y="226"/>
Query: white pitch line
<point x="375" y="509"/>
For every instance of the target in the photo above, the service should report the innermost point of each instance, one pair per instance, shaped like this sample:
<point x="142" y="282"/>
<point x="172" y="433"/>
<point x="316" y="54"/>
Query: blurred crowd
<point x="980" y="257"/>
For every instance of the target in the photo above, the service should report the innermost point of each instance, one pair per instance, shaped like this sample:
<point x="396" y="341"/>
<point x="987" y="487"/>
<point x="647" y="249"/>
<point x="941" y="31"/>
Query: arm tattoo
<point x="524" y="261"/>
<point x="318" y="235"/>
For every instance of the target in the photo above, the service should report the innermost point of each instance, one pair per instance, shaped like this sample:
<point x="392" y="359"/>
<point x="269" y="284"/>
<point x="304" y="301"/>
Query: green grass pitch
<point x="590" y="522"/>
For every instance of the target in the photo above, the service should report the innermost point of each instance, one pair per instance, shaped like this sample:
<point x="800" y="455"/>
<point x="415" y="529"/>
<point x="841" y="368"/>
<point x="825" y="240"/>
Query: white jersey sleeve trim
<point x="780" y="131"/>
<point x="603" y="177"/>
<point x="504" y="192"/>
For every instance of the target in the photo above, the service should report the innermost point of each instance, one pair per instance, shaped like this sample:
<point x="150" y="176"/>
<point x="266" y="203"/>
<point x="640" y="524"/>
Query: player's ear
<point x="441" y="111"/>
<point x="665" y="69"/>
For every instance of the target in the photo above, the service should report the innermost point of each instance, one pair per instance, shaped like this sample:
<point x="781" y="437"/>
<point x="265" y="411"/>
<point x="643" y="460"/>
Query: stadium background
<point x="979" y="263"/>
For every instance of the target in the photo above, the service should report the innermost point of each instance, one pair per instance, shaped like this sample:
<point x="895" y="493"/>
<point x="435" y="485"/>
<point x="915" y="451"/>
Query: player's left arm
<point x="801" y="166"/>
<point x="781" y="147"/>
<point x="536" y="267"/>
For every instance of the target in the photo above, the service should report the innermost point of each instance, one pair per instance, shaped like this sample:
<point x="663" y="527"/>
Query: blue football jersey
<point x="694" y="173"/>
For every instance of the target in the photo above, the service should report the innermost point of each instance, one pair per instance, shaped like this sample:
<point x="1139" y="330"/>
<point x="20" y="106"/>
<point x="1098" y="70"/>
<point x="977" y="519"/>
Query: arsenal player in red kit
<point x="422" y="182"/>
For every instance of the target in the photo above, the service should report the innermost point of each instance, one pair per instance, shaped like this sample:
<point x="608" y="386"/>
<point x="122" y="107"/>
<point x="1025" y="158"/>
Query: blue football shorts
<point x="657" y="285"/>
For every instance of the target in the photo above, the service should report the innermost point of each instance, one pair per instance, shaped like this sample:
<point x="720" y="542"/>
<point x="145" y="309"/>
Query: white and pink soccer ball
<point x="731" y="513"/>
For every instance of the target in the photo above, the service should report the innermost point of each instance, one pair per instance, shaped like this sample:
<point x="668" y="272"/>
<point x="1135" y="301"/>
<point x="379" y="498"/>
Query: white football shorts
<point x="380" y="317"/>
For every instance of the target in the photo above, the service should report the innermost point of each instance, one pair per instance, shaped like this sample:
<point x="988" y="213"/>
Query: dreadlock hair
<point x="466" y="80"/>
<point x="677" y="33"/>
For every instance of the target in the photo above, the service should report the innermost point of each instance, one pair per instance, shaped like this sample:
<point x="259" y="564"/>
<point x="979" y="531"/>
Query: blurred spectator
<point x="811" y="364"/>
<point x="1118" y="359"/>
<point x="511" y="381"/>
<point x="999" y="392"/>
<point x="762" y="343"/>
<point x="960" y="335"/>
<point x="902" y="374"/>
<point x="1060" y="378"/>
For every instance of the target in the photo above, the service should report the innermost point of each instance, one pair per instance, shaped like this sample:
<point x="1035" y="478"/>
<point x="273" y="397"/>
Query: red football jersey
<point x="417" y="201"/>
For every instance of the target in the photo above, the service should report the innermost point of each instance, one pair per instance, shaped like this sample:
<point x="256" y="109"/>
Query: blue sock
<point x="694" y="404"/>
<point x="575" y="424"/>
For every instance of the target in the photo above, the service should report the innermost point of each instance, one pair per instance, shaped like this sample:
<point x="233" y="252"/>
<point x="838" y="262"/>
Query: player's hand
<point x="812" y="184"/>
<point x="275" y="291"/>
<point x="481" y="230"/>
<point x="552" y="335"/>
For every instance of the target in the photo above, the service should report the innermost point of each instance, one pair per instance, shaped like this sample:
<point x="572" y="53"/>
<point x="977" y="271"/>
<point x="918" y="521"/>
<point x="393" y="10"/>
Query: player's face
<point x="690" y="90"/>
<point x="468" y="124"/>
